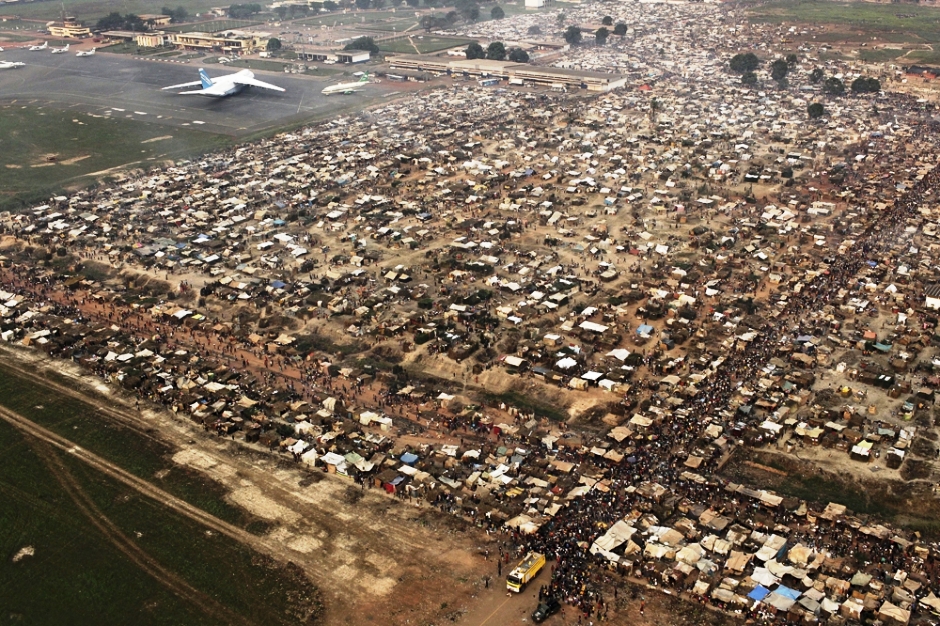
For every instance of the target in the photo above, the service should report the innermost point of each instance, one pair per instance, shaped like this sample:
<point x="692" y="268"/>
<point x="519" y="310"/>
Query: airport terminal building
<point x="519" y="73"/>
<point x="241" y="42"/>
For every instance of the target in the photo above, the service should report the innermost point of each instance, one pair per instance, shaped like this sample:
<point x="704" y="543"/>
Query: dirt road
<point x="374" y="559"/>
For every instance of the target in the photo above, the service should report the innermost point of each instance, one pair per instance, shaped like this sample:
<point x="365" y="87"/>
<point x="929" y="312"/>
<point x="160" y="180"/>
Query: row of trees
<point x="243" y="11"/>
<point x="746" y="63"/>
<point x="363" y="43"/>
<point x="179" y="14"/>
<point x="574" y="35"/>
<point x="496" y="51"/>
<point x="116" y="21"/>
<point x="467" y="10"/>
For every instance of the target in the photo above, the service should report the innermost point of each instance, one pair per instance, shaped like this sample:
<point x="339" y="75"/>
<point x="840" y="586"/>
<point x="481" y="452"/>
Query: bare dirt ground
<point x="374" y="559"/>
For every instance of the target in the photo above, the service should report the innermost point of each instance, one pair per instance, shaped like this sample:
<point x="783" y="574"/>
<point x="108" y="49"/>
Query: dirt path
<point x="141" y="486"/>
<point x="369" y="554"/>
<point x="118" y="539"/>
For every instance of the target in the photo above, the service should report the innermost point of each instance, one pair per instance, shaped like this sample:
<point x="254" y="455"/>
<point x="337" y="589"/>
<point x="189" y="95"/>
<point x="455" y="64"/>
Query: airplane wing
<point x="181" y="85"/>
<point x="218" y="89"/>
<point x="256" y="83"/>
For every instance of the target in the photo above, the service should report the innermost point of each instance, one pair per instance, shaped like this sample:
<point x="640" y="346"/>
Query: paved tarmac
<point x="120" y="85"/>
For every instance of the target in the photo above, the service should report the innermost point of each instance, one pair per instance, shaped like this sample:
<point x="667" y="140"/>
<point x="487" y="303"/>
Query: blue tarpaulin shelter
<point x="758" y="593"/>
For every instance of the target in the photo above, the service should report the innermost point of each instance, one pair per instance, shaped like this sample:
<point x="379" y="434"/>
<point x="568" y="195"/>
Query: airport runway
<point x="121" y="86"/>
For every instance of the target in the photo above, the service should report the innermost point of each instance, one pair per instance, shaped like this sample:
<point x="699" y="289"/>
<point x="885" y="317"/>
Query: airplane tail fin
<point x="364" y="78"/>
<point x="206" y="81"/>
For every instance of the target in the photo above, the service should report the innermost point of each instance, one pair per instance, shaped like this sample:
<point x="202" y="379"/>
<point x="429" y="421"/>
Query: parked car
<point x="546" y="609"/>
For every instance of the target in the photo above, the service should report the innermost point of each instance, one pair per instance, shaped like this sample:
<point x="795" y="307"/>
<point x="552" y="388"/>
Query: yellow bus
<point x="527" y="569"/>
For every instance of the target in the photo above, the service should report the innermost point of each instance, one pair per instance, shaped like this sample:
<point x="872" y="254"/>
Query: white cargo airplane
<point x="60" y="50"/>
<point x="86" y="53"/>
<point x="223" y="85"/>
<point x="347" y="88"/>
<point x="10" y="65"/>
<point x="44" y="45"/>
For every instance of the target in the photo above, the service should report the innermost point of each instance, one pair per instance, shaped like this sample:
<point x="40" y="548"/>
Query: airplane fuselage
<point x="343" y="88"/>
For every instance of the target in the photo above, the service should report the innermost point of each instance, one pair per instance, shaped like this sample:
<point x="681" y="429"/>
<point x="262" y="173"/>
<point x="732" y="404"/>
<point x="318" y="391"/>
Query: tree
<point x="363" y="43"/>
<point x="816" y="75"/>
<point x="866" y="85"/>
<point x="281" y="12"/>
<point x="749" y="79"/>
<point x="496" y="51"/>
<point x="363" y="4"/>
<point x="744" y="62"/>
<point x="779" y="69"/>
<point x="560" y="18"/>
<point x="274" y="44"/>
<point x="620" y="29"/>
<point x="573" y="35"/>
<point x="378" y="4"/>
<point x="475" y="51"/>
<point x="413" y="3"/>
<point x="815" y="111"/>
<point x="116" y="21"/>
<point x="833" y="86"/>
<point x="791" y="60"/>
<point x="179" y="14"/>
<point x="534" y="30"/>
<point x="601" y="35"/>
<point x="243" y="11"/>
<point x="497" y="13"/>
<point x="329" y="5"/>
<point x="112" y="21"/>
<point x="518" y="55"/>
<point x="607" y="21"/>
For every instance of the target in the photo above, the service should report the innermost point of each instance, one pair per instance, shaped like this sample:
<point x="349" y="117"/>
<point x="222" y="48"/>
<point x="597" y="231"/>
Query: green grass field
<point x="920" y="23"/>
<point x="11" y="37"/>
<point x="213" y="26"/>
<point x="144" y="457"/>
<point x="397" y="25"/>
<point x="353" y="19"/>
<point x="28" y="135"/>
<point x="259" y="64"/>
<point x="426" y="44"/>
<point x="13" y="24"/>
<point x="91" y="10"/>
<point x="923" y="57"/>
<point x="879" y="55"/>
<point x="77" y="521"/>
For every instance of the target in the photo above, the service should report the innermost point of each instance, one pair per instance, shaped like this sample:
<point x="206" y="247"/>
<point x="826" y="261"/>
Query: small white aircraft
<point x="347" y="88"/>
<point x="86" y="53"/>
<point x="10" y="65"/>
<point x="223" y="85"/>
<point x="60" y="50"/>
<point x="44" y="45"/>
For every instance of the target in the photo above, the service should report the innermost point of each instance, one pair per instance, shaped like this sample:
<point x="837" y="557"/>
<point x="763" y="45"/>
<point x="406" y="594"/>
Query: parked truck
<point x="527" y="569"/>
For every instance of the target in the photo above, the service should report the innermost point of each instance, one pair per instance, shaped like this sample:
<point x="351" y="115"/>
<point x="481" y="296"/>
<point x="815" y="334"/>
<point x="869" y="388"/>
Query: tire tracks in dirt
<point x="119" y="540"/>
<point x="141" y="486"/>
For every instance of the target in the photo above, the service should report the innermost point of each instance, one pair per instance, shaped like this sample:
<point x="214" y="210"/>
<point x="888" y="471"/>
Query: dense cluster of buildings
<point x="695" y="264"/>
